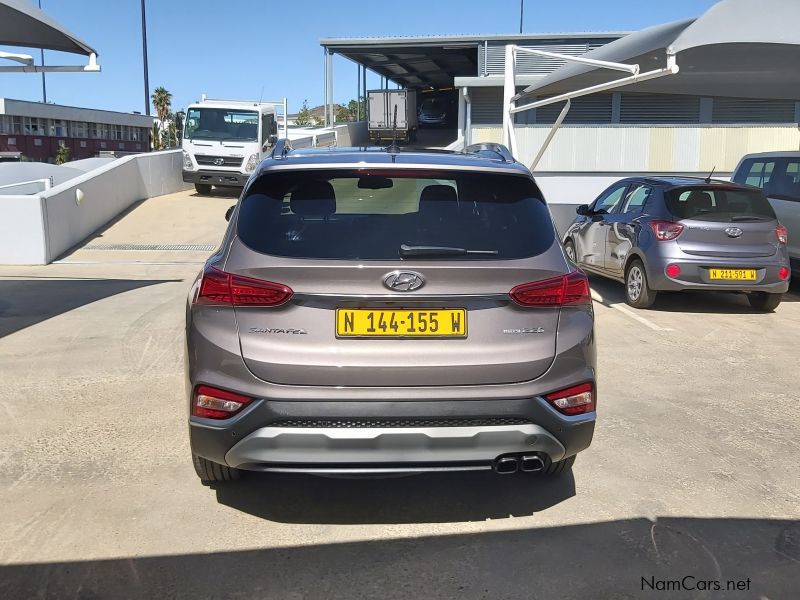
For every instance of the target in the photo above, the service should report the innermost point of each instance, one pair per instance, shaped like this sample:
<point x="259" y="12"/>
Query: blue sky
<point x="239" y="48"/>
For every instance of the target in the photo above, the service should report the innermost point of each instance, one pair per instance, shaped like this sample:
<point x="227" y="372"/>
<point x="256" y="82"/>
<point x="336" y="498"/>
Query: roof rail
<point x="485" y="148"/>
<point x="281" y="148"/>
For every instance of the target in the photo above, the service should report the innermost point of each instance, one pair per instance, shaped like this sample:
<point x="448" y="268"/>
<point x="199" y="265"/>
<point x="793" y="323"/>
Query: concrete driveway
<point x="693" y="472"/>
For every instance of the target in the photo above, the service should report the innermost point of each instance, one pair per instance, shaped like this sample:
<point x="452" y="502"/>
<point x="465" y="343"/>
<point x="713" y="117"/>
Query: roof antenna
<point x="708" y="179"/>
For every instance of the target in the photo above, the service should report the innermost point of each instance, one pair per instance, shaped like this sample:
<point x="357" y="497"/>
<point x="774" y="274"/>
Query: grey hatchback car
<point x="374" y="311"/>
<point x="679" y="233"/>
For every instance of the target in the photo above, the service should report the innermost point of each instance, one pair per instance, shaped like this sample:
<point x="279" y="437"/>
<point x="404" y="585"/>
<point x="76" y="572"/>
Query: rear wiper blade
<point x="406" y="250"/>
<point x="740" y="218"/>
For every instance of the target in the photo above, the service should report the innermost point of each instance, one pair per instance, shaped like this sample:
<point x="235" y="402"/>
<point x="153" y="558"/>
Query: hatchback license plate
<point x="733" y="274"/>
<point x="367" y="322"/>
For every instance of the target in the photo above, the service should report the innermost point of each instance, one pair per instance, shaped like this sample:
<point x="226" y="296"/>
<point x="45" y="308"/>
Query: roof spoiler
<point x="488" y="149"/>
<point x="281" y="148"/>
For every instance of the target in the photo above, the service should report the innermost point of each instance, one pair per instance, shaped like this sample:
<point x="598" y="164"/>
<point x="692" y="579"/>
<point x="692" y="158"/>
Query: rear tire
<point x="211" y="472"/>
<point x="764" y="301"/>
<point x="554" y="469"/>
<point x="203" y="189"/>
<point x="637" y="291"/>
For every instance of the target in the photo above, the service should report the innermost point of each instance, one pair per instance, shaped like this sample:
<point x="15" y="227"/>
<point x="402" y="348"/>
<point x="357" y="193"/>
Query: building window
<point x="37" y="141"/>
<point x="58" y="128"/>
<point x="12" y="141"/>
<point x="103" y="145"/>
<point x="122" y="145"/>
<point x="83" y="144"/>
<point x="80" y="129"/>
<point x="138" y="146"/>
<point x="16" y="125"/>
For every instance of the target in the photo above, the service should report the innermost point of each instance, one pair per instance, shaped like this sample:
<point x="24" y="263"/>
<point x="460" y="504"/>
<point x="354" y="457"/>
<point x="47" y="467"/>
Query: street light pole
<point x="521" y="11"/>
<point x="144" y="60"/>
<point x="44" y="83"/>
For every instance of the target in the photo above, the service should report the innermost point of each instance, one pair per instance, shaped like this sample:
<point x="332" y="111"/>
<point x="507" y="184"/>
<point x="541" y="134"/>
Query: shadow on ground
<point x="687" y="302"/>
<point x="429" y="498"/>
<point x="220" y="192"/>
<point x="618" y="559"/>
<point x="26" y="302"/>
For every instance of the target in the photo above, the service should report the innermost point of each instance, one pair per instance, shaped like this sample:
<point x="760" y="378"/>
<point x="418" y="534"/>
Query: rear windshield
<point x="370" y="214"/>
<point x="718" y="204"/>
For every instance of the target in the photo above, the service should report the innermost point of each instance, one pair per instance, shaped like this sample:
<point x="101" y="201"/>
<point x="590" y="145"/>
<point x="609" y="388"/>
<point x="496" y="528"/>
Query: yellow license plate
<point x="367" y="322"/>
<point x="733" y="274"/>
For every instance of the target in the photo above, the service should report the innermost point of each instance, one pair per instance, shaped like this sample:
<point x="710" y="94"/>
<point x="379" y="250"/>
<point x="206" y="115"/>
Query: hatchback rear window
<point x="718" y="204"/>
<point x="370" y="214"/>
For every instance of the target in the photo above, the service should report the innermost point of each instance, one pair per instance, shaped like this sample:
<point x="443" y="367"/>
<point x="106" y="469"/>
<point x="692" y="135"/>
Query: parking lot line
<point x="627" y="311"/>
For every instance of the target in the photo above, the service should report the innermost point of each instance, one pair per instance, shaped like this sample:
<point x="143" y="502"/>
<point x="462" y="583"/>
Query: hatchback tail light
<point x="782" y="234"/>
<point x="666" y="230"/>
<point x="212" y="403"/>
<point x="566" y="290"/>
<point x="219" y="287"/>
<point x="576" y="400"/>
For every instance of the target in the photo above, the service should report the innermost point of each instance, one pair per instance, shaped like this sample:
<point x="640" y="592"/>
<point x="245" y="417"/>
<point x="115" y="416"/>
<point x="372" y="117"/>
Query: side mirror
<point x="583" y="210"/>
<point x="229" y="212"/>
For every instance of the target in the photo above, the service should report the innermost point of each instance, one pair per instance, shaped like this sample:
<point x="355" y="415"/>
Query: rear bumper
<point x="251" y="442"/>
<point x="208" y="177"/>
<point x="695" y="273"/>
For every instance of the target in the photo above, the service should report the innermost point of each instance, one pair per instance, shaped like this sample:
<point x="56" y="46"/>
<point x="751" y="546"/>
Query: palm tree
<point x="162" y="101"/>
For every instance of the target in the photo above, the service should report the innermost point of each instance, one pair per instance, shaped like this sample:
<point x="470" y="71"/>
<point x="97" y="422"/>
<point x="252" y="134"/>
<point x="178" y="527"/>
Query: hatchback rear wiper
<point x="740" y="218"/>
<point x="406" y="250"/>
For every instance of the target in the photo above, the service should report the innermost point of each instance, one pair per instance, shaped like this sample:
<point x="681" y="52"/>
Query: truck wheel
<point x="764" y="301"/>
<point x="211" y="472"/>
<point x="204" y="189"/>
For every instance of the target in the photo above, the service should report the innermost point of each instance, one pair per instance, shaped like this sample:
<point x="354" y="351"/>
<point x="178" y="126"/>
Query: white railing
<point x="33" y="186"/>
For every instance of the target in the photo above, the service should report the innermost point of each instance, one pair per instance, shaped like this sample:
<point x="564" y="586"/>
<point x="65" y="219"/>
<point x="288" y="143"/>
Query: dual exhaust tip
<point x="527" y="463"/>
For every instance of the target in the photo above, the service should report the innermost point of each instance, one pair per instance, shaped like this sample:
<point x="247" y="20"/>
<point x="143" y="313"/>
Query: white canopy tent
<point x="738" y="48"/>
<point x="22" y="24"/>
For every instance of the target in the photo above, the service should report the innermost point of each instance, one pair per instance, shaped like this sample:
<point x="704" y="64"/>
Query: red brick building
<point x="37" y="130"/>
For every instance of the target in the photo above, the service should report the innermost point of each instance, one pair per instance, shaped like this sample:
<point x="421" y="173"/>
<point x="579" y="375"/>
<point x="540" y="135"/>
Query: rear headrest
<point x="437" y="198"/>
<point x="699" y="201"/>
<point x="313" y="198"/>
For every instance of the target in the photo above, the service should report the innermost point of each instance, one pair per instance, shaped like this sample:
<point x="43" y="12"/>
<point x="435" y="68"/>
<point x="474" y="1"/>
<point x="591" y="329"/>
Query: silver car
<point x="372" y="311"/>
<point x="677" y="233"/>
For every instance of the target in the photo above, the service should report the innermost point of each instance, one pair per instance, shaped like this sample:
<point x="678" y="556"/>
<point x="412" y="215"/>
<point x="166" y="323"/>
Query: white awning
<point x="738" y="48"/>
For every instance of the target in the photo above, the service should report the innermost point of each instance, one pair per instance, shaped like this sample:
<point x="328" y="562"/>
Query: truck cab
<point x="225" y="140"/>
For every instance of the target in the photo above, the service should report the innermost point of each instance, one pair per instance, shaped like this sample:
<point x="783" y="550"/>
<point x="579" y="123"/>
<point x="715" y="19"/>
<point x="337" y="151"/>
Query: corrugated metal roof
<point x="439" y="39"/>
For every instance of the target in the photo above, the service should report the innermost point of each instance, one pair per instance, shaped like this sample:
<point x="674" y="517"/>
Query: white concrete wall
<point x="645" y="148"/>
<point x="42" y="227"/>
<point x="352" y="134"/>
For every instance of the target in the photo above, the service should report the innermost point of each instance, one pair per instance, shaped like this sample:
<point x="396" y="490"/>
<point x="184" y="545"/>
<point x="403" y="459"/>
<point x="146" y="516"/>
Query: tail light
<point x="782" y="234"/>
<point x="576" y="400"/>
<point x="566" y="290"/>
<point x="219" y="287"/>
<point x="666" y="230"/>
<point x="672" y="270"/>
<point x="212" y="403"/>
<point x="784" y="273"/>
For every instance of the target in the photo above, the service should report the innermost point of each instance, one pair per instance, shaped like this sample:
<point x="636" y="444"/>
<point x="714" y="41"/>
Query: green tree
<point x="303" y="118"/>
<point x="162" y="102"/>
<point x="62" y="155"/>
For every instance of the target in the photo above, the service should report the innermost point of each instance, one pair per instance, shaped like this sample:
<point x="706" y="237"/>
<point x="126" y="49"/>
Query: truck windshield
<point x="221" y="124"/>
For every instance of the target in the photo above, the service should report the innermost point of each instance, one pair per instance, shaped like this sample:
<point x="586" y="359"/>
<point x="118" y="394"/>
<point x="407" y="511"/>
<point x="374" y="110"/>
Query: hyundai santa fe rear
<point x="388" y="312"/>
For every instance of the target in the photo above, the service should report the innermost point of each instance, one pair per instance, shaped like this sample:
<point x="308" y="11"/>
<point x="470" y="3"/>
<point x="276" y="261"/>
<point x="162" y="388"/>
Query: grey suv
<point x="374" y="311"/>
<point x="681" y="233"/>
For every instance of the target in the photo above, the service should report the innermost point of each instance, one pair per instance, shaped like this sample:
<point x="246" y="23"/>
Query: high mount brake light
<point x="221" y="288"/>
<point x="666" y="230"/>
<point x="575" y="400"/>
<point x="565" y="290"/>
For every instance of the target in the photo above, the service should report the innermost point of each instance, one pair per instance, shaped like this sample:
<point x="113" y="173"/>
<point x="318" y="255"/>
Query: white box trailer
<point x="381" y="107"/>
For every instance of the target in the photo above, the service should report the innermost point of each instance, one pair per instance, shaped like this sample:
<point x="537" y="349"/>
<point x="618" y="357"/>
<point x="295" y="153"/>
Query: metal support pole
<point x="325" y="81"/>
<point x="358" y="93"/>
<point x="44" y="83"/>
<point x="144" y="61"/>
<point x="285" y="119"/>
<point x="509" y="90"/>
<point x="330" y="117"/>
<point x="521" y="11"/>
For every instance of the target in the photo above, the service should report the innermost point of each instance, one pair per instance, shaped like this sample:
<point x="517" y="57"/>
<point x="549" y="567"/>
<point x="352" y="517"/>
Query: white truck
<point x="382" y="106"/>
<point x="225" y="140"/>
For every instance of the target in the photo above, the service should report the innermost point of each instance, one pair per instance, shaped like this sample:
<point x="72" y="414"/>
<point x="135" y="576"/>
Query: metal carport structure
<point x="737" y="48"/>
<point x="22" y="24"/>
